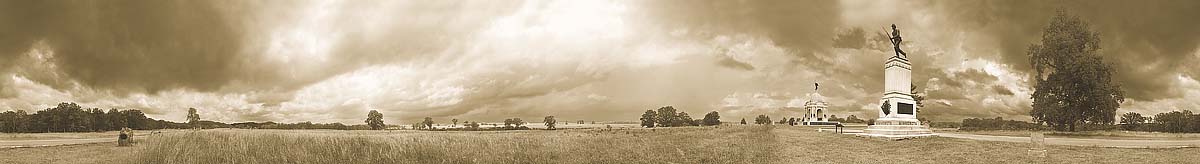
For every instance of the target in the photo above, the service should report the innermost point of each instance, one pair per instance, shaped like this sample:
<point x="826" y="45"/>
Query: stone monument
<point x="816" y="109"/>
<point x="897" y="113"/>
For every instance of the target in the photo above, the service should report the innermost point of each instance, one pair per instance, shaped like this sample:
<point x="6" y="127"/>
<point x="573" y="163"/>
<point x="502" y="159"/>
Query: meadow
<point x="728" y="144"/>
<point x="723" y="144"/>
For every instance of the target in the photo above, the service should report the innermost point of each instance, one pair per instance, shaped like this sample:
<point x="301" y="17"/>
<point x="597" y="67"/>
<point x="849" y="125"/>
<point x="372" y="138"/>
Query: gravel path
<point x="53" y="142"/>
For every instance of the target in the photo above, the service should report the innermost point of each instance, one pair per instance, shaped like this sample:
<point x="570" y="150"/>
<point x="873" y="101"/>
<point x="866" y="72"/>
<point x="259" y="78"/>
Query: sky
<point x="333" y="61"/>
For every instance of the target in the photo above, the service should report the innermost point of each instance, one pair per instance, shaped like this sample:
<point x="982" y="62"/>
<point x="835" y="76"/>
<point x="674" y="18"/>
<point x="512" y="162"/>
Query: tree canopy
<point x="193" y="117"/>
<point x="375" y="120"/>
<point x="712" y="118"/>
<point x="1073" y="85"/>
<point x="549" y="121"/>
<point x="649" y="118"/>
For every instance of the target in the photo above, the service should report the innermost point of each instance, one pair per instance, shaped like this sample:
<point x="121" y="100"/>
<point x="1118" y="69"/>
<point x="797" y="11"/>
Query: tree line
<point x="70" y="117"/>
<point x="668" y="117"/>
<point x="1172" y="122"/>
<point x="998" y="123"/>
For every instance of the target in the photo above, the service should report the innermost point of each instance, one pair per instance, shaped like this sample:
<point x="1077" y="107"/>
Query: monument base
<point x="896" y="129"/>
<point x="811" y="123"/>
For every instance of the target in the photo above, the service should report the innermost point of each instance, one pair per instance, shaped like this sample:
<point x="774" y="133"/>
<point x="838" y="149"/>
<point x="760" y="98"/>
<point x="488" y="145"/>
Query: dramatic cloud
<point x="332" y="61"/>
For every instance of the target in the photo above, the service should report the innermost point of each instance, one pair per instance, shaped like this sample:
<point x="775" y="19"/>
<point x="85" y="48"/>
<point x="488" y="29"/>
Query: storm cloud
<point x="332" y="61"/>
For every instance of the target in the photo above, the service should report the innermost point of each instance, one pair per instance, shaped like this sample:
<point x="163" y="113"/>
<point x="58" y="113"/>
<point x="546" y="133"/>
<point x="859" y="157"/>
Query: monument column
<point x="897" y="112"/>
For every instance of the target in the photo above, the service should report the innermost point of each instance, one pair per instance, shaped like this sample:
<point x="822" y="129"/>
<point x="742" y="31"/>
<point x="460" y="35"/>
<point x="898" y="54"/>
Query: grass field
<point x="727" y="144"/>
<point x="744" y="144"/>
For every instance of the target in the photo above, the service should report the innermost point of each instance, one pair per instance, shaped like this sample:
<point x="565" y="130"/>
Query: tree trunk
<point x="1072" y="126"/>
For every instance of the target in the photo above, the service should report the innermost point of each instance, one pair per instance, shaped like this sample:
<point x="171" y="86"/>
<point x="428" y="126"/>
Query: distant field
<point x="727" y="144"/>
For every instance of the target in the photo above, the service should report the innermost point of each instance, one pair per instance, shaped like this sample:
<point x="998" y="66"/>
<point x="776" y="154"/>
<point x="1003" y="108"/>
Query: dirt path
<point x="52" y="142"/>
<point x="104" y="152"/>
<point x="1084" y="142"/>
<point x="67" y="141"/>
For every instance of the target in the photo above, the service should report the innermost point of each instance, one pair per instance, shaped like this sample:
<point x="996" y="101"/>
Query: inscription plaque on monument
<point x="905" y="108"/>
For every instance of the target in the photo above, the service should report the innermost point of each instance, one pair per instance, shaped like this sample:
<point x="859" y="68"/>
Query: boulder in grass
<point x="123" y="139"/>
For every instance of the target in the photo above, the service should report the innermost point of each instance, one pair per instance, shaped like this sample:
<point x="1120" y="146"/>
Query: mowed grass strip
<point x="726" y="144"/>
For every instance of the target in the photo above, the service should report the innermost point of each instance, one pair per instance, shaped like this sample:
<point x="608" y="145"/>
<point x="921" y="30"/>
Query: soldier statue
<point x="895" y="38"/>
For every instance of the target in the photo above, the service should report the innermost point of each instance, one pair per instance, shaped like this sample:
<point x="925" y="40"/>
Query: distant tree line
<point x="299" y="125"/>
<point x="70" y="117"/>
<point x="1172" y="122"/>
<point x="668" y="117"/>
<point x="998" y="123"/>
<point x="850" y="119"/>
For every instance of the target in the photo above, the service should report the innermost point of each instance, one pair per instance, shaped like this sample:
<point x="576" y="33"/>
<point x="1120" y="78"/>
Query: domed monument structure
<point x="816" y="109"/>
<point x="897" y="113"/>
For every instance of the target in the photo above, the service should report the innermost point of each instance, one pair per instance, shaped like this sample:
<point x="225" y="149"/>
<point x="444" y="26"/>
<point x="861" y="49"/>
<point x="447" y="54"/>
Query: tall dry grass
<point x="727" y="144"/>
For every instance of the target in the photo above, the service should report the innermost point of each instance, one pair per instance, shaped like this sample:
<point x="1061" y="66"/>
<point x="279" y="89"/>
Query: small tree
<point x="375" y="120"/>
<point x="473" y="125"/>
<point x="549" y="120"/>
<point x="428" y="122"/>
<point x="854" y="119"/>
<point x="648" y="119"/>
<point x="193" y="118"/>
<point x="743" y="121"/>
<point x="712" y="118"/>
<point x="762" y="119"/>
<point x="454" y="122"/>
<point x="1131" y="120"/>
<point x="513" y="123"/>
<point x="917" y="98"/>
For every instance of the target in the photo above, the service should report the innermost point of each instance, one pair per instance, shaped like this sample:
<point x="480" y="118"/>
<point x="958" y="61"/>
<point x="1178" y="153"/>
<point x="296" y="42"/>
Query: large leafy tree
<point x="649" y="118"/>
<point x="683" y="119"/>
<point x="1073" y="85"/>
<point x="667" y="117"/>
<point x="375" y="120"/>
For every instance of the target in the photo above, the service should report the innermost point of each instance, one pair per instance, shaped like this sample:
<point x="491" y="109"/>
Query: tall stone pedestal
<point x="899" y="119"/>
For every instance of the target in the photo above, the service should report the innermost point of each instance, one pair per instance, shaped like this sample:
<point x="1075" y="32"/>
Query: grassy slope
<point x="739" y="144"/>
<point x="805" y="145"/>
